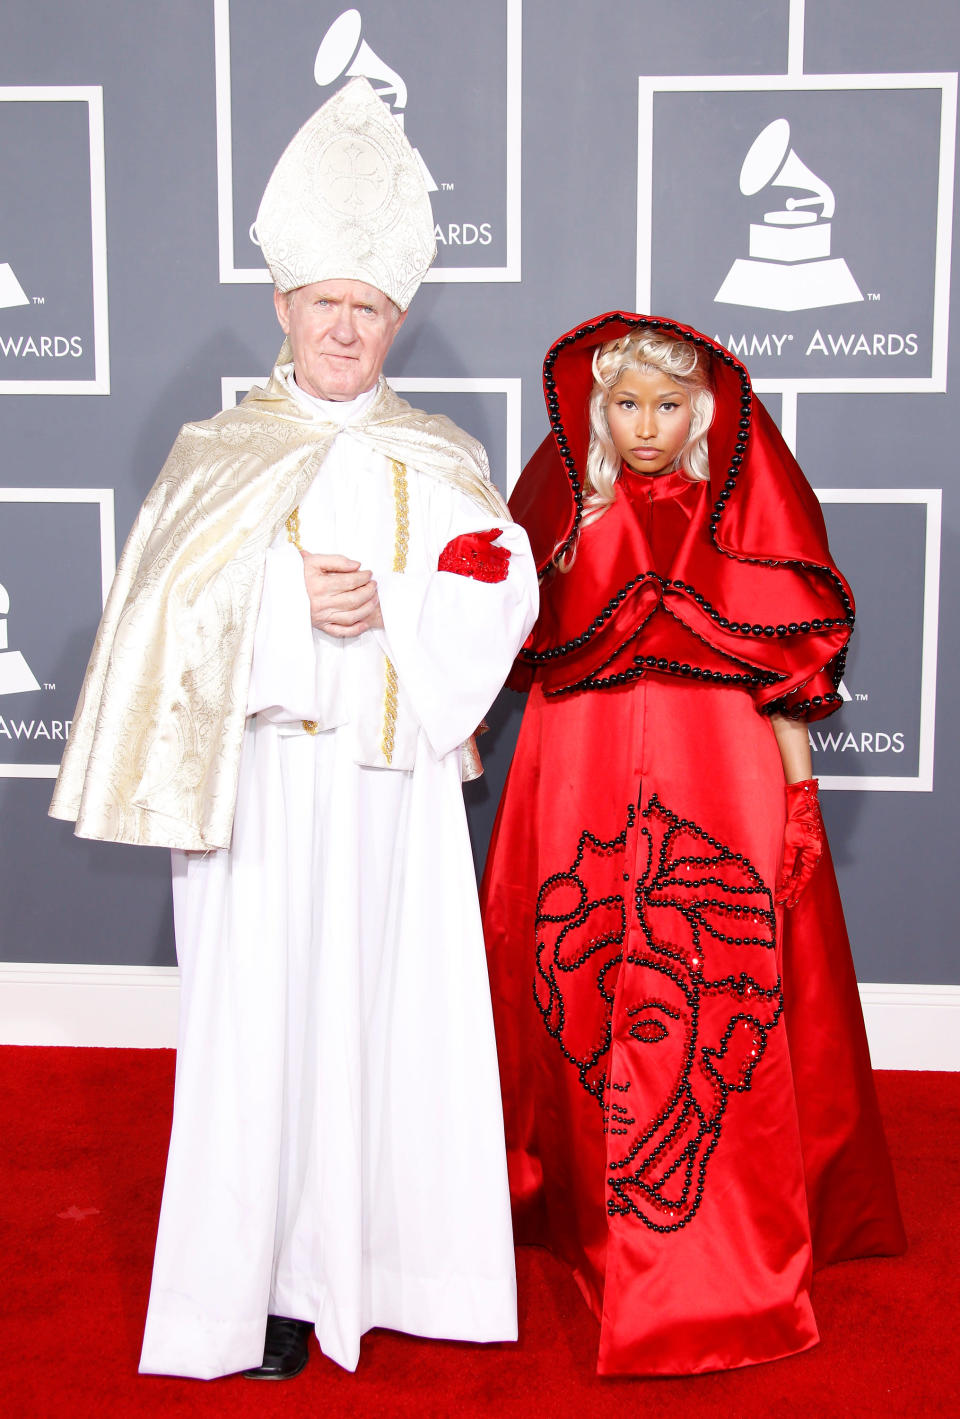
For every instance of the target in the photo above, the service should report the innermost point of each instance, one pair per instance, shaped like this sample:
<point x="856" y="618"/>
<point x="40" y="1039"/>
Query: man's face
<point x="339" y="332"/>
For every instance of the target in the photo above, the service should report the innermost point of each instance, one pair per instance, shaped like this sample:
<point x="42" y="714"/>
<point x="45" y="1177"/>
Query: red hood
<point x="762" y="511"/>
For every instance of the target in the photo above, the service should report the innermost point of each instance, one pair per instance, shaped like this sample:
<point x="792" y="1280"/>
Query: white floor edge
<point x="909" y="1026"/>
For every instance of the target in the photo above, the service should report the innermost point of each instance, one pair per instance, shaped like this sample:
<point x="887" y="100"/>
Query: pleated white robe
<point x="337" y="1146"/>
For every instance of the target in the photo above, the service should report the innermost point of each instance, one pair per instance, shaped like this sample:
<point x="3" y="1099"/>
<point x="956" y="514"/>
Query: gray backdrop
<point x="604" y="171"/>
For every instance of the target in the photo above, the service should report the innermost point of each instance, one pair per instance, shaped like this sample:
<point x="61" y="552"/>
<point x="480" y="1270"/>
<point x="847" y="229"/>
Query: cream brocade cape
<point x="154" y="752"/>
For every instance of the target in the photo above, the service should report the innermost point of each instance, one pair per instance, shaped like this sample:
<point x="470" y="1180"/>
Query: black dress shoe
<point x="284" y="1349"/>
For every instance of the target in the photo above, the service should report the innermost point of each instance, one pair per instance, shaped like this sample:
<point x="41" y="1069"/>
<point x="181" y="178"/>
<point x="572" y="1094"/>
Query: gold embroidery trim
<point x="312" y="726"/>
<point x="401" y="510"/>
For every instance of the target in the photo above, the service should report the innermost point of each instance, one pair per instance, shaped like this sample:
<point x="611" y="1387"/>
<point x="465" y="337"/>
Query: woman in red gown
<point x="691" y="1120"/>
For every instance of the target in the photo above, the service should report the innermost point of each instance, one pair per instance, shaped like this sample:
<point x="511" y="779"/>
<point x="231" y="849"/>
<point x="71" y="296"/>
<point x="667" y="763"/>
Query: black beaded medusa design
<point x="691" y="1001"/>
<point x="579" y="949"/>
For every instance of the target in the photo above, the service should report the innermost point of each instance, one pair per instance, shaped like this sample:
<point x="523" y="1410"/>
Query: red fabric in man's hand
<point x="473" y="554"/>
<point x="802" y="841"/>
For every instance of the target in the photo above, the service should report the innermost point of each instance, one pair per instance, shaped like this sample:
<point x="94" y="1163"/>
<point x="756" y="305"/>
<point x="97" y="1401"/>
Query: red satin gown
<point x="690" y="1114"/>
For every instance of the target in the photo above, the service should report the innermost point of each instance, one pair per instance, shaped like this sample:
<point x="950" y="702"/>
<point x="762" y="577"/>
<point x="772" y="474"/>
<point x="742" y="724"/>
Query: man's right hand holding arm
<point x="343" y="598"/>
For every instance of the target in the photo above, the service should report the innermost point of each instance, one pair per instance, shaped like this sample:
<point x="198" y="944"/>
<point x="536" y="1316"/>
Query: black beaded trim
<point x="553" y="1006"/>
<point x="688" y="1171"/>
<point x="553" y="403"/>
<point x="644" y="663"/>
<point x="800" y="709"/>
<point x="736" y="628"/>
<point x="581" y="684"/>
<point x="733" y="907"/>
<point x="743" y="628"/>
<point x="750" y="676"/>
<point x="672" y="875"/>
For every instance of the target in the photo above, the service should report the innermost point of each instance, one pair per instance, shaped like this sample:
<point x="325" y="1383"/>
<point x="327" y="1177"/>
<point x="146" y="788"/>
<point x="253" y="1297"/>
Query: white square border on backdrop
<point x="240" y="275"/>
<point x="936" y="382"/>
<point x="92" y="96"/>
<point x="233" y="386"/>
<point x="932" y="499"/>
<point x="108" y="564"/>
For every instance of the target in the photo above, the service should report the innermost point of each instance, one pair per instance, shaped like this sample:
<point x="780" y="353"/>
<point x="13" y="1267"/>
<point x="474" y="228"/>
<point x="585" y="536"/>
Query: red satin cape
<point x="753" y="585"/>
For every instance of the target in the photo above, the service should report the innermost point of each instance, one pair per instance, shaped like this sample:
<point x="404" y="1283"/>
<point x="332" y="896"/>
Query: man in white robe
<point x="336" y="1159"/>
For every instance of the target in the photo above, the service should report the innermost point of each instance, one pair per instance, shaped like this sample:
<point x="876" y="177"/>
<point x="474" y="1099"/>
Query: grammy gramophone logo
<point x="344" y="55"/>
<point x="790" y="266"/>
<point x="15" y="674"/>
<point x="11" y="291"/>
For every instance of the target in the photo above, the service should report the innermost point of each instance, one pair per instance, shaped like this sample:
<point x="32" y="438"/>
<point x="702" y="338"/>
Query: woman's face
<point x="649" y="418"/>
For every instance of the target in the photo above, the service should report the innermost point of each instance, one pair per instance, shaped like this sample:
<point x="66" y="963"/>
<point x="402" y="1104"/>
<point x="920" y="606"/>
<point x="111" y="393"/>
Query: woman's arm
<point x="794" y="745"/>
<point x="803" y="830"/>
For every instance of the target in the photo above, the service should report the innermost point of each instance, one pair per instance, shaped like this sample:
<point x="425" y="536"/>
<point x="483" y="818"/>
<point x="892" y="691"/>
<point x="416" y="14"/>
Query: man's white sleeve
<point x="283" y="674"/>
<point x="452" y="639"/>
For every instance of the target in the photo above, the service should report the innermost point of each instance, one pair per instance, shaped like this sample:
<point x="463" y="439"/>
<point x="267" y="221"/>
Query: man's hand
<point x="343" y="599"/>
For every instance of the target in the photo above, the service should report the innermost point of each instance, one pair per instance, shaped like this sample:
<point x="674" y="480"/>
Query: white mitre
<point x="347" y="200"/>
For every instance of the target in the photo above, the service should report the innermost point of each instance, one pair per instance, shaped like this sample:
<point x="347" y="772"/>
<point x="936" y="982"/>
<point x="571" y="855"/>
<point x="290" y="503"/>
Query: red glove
<point x="803" y="836"/>
<point x="474" y="555"/>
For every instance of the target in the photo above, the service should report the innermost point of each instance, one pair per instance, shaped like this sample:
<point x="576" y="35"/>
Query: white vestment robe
<point x="337" y="1147"/>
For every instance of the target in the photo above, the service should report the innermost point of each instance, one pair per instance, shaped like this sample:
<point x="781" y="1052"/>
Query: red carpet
<point x="85" y="1135"/>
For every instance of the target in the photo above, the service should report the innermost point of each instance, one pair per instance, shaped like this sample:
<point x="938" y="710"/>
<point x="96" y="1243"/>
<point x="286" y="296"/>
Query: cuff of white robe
<point x="283" y="674"/>
<point x="449" y="694"/>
